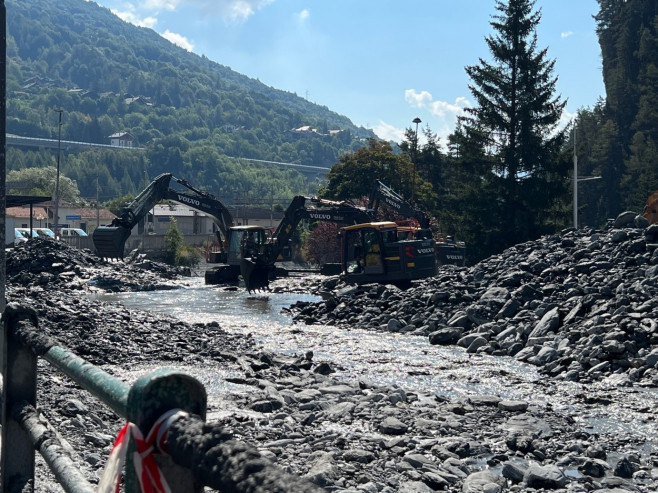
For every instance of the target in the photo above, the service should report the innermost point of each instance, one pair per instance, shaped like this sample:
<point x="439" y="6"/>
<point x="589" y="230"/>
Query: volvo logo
<point x="317" y="215"/>
<point x="391" y="203"/>
<point x="426" y="250"/>
<point x="188" y="200"/>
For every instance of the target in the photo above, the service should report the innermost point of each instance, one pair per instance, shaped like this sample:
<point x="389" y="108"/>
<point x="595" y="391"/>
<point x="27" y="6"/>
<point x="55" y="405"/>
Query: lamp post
<point x="576" y="180"/>
<point x="415" y="158"/>
<point x="59" y="142"/>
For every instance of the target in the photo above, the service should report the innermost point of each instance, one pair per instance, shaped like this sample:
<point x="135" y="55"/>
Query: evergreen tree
<point x="628" y="35"/>
<point x="516" y="117"/>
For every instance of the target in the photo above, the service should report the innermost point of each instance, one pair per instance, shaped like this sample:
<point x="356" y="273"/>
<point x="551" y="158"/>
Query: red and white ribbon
<point x="151" y="480"/>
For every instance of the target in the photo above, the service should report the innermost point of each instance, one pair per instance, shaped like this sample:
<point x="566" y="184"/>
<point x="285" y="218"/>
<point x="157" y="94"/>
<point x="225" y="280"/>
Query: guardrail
<point x="187" y="452"/>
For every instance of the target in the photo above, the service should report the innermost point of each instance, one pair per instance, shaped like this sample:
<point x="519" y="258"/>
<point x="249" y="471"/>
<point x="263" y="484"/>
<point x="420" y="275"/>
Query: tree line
<point x="505" y="175"/>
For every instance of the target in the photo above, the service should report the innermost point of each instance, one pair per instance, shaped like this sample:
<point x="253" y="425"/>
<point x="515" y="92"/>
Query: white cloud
<point x="178" y="40"/>
<point x="442" y="109"/>
<point x="566" y="34"/>
<point x="388" y="132"/>
<point x="232" y="10"/>
<point x="303" y="15"/>
<point x="161" y="4"/>
<point x="132" y="17"/>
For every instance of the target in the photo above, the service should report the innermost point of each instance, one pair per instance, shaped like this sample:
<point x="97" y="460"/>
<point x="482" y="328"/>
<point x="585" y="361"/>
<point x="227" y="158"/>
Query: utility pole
<point x="415" y="157"/>
<point x="59" y="152"/>
<point x="576" y="180"/>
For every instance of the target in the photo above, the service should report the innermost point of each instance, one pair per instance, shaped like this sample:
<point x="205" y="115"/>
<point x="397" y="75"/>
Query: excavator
<point x="110" y="240"/>
<point x="372" y="246"/>
<point x="416" y="224"/>
<point x="375" y="253"/>
<point x="257" y="265"/>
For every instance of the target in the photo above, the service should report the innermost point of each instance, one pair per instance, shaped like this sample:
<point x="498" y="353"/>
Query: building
<point x="70" y="216"/>
<point x="121" y="139"/>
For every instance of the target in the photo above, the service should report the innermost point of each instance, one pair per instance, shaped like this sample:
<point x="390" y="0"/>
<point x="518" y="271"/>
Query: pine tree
<point x="517" y="114"/>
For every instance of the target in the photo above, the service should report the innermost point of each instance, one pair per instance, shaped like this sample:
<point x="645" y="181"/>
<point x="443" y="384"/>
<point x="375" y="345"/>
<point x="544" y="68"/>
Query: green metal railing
<point x="194" y="453"/>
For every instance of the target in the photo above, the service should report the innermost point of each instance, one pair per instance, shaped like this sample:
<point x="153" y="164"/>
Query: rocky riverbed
<point x="580" y="306"/>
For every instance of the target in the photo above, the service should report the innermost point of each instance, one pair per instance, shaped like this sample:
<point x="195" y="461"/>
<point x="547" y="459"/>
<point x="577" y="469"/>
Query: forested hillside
<point x="617" y="140"/>
<point x="191" y="115"/>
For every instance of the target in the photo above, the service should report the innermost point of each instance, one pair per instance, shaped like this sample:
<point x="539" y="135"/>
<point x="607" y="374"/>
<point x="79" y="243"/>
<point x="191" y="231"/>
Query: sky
<point x="381" y="63"/>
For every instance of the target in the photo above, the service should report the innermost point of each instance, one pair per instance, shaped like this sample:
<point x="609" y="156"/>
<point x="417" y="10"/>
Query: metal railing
<point x="193" y="454"/>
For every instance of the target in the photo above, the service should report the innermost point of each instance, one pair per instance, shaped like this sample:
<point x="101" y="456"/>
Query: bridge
<point x="310" y="172"/>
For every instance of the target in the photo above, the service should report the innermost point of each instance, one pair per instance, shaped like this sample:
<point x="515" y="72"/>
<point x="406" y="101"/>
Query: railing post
<point x="149" y="398"/>
<point x="19" y="377"/>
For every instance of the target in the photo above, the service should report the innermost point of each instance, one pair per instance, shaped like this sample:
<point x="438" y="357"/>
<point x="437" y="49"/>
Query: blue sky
<point x="380" y="63"/>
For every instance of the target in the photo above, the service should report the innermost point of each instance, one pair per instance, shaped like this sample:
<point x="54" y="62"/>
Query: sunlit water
<point x="409" y="362"/>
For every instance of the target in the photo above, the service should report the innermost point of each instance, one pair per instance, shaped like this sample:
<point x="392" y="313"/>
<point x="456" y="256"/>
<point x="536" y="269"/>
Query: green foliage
<point x="356" y="173"/>
<point x="173" y="243"/>
<point x="193" y="117"/>
<point x="628" y="35"/>
<point x="116" y="205"/>
<point x="42" y="181"/>
<point x="189" y="256"/>
<point x="513" y="129"/>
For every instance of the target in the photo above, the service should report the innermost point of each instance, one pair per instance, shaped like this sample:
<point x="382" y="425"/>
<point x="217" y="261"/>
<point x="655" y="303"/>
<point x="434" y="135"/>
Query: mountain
<point x="192" y="116"/>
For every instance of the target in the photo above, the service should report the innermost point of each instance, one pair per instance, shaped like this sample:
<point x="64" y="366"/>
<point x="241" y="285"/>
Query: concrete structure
<point x="192" y="222"/>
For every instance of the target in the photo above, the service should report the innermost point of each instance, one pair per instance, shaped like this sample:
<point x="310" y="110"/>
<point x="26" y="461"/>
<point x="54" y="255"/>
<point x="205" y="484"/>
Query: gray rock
<point x="483" y="482"/>
<point x="393" y="426"/>
<point x="550" y="477"/>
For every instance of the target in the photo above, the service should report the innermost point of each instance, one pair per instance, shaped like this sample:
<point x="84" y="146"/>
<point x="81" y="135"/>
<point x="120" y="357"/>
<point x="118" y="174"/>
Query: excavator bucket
<point x="110" y="241"/>
<point x="256" y="275"/>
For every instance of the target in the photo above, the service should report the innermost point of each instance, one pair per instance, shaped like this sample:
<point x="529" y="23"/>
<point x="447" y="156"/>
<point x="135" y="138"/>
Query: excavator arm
<point x="382" y="193"/>
<point x="256" y="271"/>
<point x="110" y="240"/>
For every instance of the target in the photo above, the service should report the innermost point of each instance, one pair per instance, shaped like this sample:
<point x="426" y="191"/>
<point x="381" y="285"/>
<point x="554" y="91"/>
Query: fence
<point x="143" y="243"/>
<point x="190" y="454"/>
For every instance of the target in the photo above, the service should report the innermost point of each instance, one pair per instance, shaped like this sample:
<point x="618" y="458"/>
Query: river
<point x="409" y="362"/>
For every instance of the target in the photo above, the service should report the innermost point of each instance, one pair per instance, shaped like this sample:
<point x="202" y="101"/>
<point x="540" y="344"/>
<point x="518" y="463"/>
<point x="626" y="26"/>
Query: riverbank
<point x="344" y="435"/>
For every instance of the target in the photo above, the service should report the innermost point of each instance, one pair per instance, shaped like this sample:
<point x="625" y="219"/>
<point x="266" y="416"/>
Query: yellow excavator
<point x="382" y="255"/>
<point x="416" y="224"/>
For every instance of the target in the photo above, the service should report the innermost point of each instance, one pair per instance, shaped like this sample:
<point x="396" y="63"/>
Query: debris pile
<point x="581" y="305"/>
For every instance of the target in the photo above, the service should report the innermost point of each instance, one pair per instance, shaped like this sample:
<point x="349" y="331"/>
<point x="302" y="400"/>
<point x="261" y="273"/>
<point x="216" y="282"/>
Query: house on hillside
<point x="121" y="139"/>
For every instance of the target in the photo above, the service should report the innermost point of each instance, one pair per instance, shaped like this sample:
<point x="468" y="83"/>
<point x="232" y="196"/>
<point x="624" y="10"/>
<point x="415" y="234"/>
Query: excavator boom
<point x="110" y="240"/>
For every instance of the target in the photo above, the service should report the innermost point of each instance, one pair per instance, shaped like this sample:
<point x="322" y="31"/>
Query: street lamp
<point x="59" y="142"/>
<point x="415" y="158"/>
<point x="576" y="179"/>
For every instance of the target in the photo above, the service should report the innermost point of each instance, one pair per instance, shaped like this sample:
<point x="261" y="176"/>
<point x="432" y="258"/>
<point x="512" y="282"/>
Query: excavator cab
<point x="246" y="245"/>
<point x="372" y="252"/>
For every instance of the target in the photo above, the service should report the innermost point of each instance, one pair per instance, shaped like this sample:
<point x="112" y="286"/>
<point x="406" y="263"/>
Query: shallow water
<point x="406" y="361"/>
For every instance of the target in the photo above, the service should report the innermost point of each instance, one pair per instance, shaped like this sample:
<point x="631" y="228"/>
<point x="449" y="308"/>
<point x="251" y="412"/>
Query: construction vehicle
<point x="110" y="240"/>
<point x="384" y="257"/>
<point x="416" y="225"/>
<point x="383" y="194"/>
<point x="257" y="266"/>
<point x="374" y="253"/>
